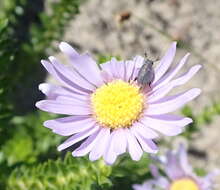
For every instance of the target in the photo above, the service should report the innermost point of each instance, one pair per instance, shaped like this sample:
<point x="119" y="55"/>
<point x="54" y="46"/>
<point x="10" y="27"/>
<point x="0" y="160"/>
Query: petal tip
<point x="38" y="104"/>
<point x="43" y="87"/>
<point x="199" y="66"/>
<point x="91" y="158"/>
<point x="110" y="159"/>
<point x="63" y="45"/>
<point x="67" y="48"/>
<point x="136" y="159"/>
<point x="155" y="151"/>
<point x="74" y="154"/>
<point x="43" y="62"/>
<point x="197" y="91"/>
<point x="60" y="148"/>
<point x="188" y="54"/>
<point x="52" y="58"/>
<point x="188" y="121"/>
<point x="47" y="124"/>
<point x="109" y="163"/>
<point x="174" y="44"/>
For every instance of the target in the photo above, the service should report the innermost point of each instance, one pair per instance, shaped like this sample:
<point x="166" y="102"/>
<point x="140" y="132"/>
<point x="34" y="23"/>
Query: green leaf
<point x="3" y="24"/>
<point x="70" y="173"/>
<point x="200" y="172"/>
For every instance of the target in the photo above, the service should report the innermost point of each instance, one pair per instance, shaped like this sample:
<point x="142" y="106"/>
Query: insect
<point x="123" y="16"/>
<point x="146" y="73"/>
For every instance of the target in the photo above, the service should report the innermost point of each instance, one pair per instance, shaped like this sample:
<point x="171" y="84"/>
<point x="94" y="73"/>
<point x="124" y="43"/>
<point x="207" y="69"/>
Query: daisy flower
<point x="179" y="174"/>
<point x="106" y="108"/>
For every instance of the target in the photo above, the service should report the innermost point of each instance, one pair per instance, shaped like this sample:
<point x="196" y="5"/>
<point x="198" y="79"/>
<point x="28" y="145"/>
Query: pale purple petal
<point x="170" y="74"/>
<point x="64" y="121"/>
<point x="146" y="186"/>
<point x="84" y="64"/>
<point x="153" y="184"/>
<point x="169" y="119"/>
<point x="134" y="148"/>
<point x="77" y="137"/>
<point x="121" y="69"/>
<point x="165" y="88"/>
<point x="114" y="68"/>
<point x="144" y="131"/>
<point x="139" y="187"/>
<point x="147" y="144"/>
<point x="172" y="167"/>
<point x="172" y="103"/>
<point x="165" y="62"/>
<point x="106" y="76"/>
<point x="88" y="144"/>
<point x="167" y="124"/>
<point x="54" y="91"/>
<point x="182" y="154"/>
<point x="207" y="183"/>
<point x="75" y="124"/>
<point x="101" y="145"/>
<point x="109" y="154"/>
<point x="138" y="62"/>
<point x="68" y="49"/>
<point x="70" y="100"/>
<point x="62" y="79"/>
<point x="107" y="68"/>
<point x="117" y="69"/>
<point x="130" y="67"/>
<point x="64" y="92"/>
<point x="187" y="76"/>
<point x="156" y="94"/>
<point x="154" y="171"/>
<point x="161" y="182"/>
<point x="150" y="143"/>
<point x="48" y="89"/>
<point x="58" y="107"/>
<point x="174" y="171"/>
<point x="50" y="69"/>
<point x="71" y="75"/>
<point x="74" y="99"/>
<point x="168" y="129"/>
<point x="119" y="141"/>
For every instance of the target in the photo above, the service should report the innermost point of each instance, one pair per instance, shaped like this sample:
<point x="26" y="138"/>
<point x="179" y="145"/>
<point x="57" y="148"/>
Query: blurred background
<point x="30" y="30"/>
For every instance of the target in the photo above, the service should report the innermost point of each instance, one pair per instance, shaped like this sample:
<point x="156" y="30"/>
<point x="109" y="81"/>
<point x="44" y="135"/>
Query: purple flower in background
<point x="179" y="175"/>
<point x="108" y="110"/>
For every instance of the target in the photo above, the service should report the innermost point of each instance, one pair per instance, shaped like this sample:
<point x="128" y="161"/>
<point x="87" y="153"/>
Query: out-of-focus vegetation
<point x="27" y="32"/>
<point x="205" y="117"/>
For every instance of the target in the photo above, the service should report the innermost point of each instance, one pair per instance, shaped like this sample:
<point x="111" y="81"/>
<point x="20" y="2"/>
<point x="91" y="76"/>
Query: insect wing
<point x="146" y="75"/>
<point x="141" y="74"/>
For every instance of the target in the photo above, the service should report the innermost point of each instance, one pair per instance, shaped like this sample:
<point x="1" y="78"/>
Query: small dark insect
<point x="146" y="73"/>
<point x="123" y="16"/>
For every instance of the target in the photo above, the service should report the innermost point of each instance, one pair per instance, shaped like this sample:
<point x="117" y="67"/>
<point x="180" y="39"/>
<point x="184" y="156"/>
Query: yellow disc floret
<point x="117" y="104"/>
<point x="184" y="184"/>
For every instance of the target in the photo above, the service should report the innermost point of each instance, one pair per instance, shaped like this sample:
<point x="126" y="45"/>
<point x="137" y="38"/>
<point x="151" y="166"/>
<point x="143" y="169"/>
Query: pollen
<point x="117" y="104"/>
<point x="184" y="184"/>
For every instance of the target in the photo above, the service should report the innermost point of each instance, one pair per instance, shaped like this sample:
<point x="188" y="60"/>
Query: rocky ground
<point x="127" y="28"/>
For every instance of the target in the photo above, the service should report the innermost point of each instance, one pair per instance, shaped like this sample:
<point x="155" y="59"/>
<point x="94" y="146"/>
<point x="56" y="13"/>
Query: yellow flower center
<point x="117" y="104"/>
<point x="184" y="184"/>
